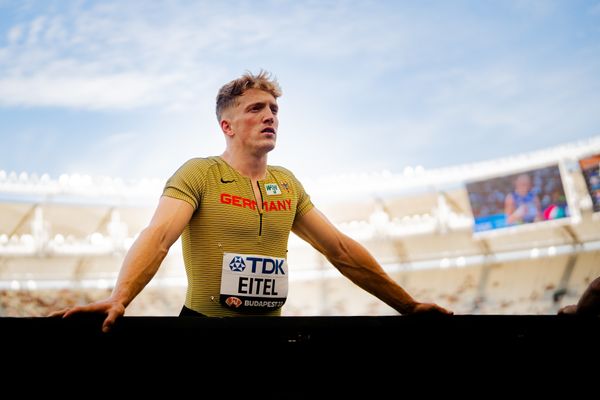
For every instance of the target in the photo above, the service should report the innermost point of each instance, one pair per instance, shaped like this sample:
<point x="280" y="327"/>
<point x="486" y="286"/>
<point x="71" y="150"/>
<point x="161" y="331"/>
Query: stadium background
<point x="62" y="241"/>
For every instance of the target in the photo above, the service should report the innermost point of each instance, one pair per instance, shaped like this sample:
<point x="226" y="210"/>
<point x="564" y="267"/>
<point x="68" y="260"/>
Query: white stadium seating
<point x="62" y="241"/>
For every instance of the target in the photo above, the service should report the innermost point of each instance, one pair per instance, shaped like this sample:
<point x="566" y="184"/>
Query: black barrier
<point x="322" y="350"/>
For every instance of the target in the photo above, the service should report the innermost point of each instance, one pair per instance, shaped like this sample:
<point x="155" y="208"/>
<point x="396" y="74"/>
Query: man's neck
<point x="248" y="165"/>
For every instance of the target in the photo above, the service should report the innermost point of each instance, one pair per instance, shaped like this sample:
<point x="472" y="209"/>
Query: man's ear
<point x="226" y="127"/>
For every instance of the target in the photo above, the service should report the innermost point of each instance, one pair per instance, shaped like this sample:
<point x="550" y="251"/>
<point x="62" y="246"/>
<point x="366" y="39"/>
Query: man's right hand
<point x="430" y="308"/>
<point x="111" y="309"/>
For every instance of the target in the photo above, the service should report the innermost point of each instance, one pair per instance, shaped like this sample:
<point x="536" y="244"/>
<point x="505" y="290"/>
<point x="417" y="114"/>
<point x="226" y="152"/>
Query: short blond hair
<point x="228" y="94"/>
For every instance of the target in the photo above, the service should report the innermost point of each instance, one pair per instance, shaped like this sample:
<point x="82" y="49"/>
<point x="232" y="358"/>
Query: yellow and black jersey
<point x="235" y="245"/>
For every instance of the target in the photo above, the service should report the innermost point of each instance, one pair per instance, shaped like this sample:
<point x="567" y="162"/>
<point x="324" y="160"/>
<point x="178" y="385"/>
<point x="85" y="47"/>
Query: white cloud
<point x="94" y="92"/>
<point x="14" y="34"/>
<point x="149" y="43"/>
<point x="106" y="57"/>
<point x="35" y="29"/>
<point x="366" y="84"/>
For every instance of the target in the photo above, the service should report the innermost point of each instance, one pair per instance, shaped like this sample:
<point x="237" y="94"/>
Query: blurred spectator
<point x="522" y="205"/>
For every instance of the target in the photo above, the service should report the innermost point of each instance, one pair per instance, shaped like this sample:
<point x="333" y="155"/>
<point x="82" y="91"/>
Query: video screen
<point x="523" y="198"/>
<point x="589" y="168"/>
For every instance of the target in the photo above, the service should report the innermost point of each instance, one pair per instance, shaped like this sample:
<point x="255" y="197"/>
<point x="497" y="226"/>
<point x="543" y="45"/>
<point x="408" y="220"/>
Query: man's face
<point x="253" y="121"/>
<point x="523" y="185"/>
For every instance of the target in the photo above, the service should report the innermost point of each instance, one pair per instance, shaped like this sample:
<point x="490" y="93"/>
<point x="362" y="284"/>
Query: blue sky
<point x="127" y="88"/>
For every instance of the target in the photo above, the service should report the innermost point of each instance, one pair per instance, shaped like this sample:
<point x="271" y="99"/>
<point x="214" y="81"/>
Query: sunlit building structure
<point x="62" y="240"/>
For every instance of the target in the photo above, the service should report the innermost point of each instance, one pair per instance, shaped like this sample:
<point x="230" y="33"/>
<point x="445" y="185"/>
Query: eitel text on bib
<point x="251" y="282"/>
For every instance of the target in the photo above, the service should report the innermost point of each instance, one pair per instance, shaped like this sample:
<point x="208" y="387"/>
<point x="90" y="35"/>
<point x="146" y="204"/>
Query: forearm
<point x="512" y="217"/>
<point x="139" y="266"/>
<point x="358" y="265"/>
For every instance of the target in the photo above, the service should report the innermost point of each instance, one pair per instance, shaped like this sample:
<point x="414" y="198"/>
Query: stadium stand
<point x="62" y="241"/>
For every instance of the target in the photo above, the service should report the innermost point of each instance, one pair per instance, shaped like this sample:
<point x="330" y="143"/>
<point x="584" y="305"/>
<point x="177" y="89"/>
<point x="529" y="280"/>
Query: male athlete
<point x="235" y="213"/>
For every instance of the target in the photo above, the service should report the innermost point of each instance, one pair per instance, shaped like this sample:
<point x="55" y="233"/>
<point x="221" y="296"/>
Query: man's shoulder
<point x="279" y="170"/>
<point x="200" y="163"/>
<point x="285" y="176"/>
<point x="194" y="169"/>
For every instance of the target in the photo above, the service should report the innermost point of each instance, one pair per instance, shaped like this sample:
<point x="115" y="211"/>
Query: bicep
<point x="317" y="230"/>
<point x="170" y="218"/>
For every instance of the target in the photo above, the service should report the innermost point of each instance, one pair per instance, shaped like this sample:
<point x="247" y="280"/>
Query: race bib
<point x="253" y="282"/>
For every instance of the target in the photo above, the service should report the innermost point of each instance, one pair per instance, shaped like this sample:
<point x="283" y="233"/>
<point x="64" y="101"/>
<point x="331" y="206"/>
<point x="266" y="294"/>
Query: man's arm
<point x="142" y="260"/>
<point x="356" y="263"/>
<point x="509" y="209"/>
<point x="589" y="302"/>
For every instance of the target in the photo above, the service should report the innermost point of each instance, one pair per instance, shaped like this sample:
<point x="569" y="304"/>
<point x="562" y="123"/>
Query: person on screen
<point x="235" y="212"/>
<point x="589" y="302"/>
<point x="522" y="205"/>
